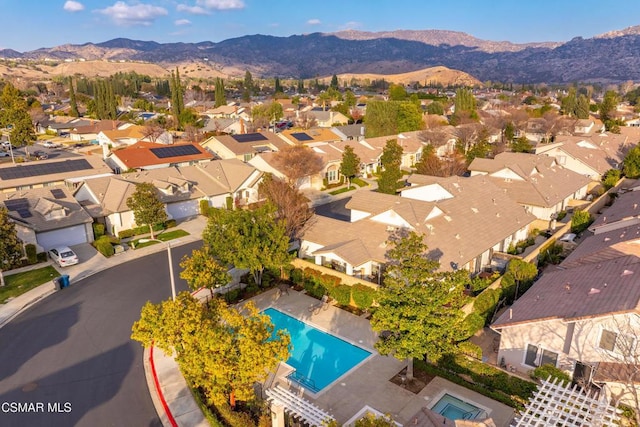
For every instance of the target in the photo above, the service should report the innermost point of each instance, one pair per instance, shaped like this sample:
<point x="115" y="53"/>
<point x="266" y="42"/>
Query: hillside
<point x="433" y="75"/>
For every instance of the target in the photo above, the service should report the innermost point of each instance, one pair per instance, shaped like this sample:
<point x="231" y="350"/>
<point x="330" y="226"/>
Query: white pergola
<point x="298" y="407"/>
<point x="556" y="405"/>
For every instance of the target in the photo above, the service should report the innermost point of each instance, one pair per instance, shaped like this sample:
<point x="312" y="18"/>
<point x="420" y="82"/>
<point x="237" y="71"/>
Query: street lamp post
<point x="173" y="282"/>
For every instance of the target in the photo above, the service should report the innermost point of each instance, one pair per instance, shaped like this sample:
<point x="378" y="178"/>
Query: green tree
<point x="608" y="108"/>
<point x="521" y="145"/>
<point x="391" y="173"/>
<point x="177" y="97"/>
<point x="301" y="88"/>
<point x="146" y="206"/>
<point x="464" y="106"/>
<point x="350" y="99"/>
<point x="409" y="117"/>
<point x="219" y="349"/>
<point x="435" y="107"/>
<point x="610" y="178"/>
<point x="10" y="245"/>
<point x="334" y="82"/>
<point x="371" y="420"/>
<point x="220" y="97"/>
<point x="203" y="270"/>
<point x="247" y="86"/>
<point x="418" y="311"/>
<point x="582" y="108"/>
<point x="522" y="272"/>
<point x="397" y="92"/>
<point x="391" y="117"/>
<point x="251" y="239"/>
<point x="72" y="99"/>
<point x="278" y="86"/>
<point x="350" y="165"/>
<point x="580" y="221"/>
<point x="631" y="163"/>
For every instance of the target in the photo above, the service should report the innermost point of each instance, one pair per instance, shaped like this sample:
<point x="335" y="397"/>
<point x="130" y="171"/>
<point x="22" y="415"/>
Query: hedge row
<point x="318" y="284"/>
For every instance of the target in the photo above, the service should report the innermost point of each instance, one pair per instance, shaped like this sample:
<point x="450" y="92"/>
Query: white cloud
<point x="194" y="10"/>
<point x="221" y="4"/>
<point x="314" y="22"/>
<point x="182" y="22"/>
<point x="73" y="6"/>
<point x="136" y="14"/>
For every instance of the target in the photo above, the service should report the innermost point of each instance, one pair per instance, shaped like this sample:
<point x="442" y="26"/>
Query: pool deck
<point x="368" y="383"/>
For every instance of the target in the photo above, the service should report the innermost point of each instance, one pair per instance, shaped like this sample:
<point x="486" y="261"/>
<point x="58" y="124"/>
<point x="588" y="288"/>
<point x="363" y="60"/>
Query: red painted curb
<point x="159" y="390"/>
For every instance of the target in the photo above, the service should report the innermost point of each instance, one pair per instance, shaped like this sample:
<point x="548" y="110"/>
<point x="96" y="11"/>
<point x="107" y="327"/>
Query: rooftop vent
<point x="627" y="273"/>
<point x="594" y="291"/>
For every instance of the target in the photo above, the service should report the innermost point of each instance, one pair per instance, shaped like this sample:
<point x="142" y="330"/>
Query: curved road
<point x="69" y="361"/>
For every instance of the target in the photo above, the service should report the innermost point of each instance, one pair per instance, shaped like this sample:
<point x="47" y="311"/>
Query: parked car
<point x="5" y="144"/>
<point x="49" y="144"/>
<point x="40" y="155"/>
<point x="4" y="154"/>
<point x="63" y="256"/>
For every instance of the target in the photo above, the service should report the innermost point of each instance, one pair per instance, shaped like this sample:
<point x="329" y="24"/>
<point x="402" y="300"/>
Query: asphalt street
<point x="69" y="359"/>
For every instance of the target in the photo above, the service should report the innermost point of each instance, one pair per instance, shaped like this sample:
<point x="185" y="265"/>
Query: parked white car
<point x="49" y="144"/>
<point x="63" y="256"/>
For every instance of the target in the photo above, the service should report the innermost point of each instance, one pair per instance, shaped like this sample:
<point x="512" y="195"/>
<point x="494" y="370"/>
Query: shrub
<point x="229" y="203"/>
<point x="42" y="257"/>
<point x="124" y="234"/>
<point x="104" y="246"/>
<point x="470" y="349"/>
<point x="486" y="302"/>
<point x="560" y="215"/>
<point x="329" y="281"/>
<point x="296" y="275"/>
<point x="362" y="296"/>
<point x="341" y="293"/>
<point x="169" y="224"/>
<point x="580" y="221"/>
<point x="98" y="230"/>
<point x="470" y="325"/>
<point x="314" y="289"/>
<point x="204" y="207"/>
<point x="610" y="178"/>
<point x="32" y="253"/>
<point x="543" y="372"/>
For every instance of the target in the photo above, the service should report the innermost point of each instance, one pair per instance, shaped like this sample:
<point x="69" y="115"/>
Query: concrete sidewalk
<point x="170" y="394"/>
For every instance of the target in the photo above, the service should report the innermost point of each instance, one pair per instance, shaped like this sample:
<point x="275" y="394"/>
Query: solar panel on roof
<point x="24" y="213"/>
<point x="301" y="136"/>
<point x="58" y="194"/>
<point x="39" y="169"/>
<point x="17" y="204"/>
<point x="175" y="151"/>
<point x="249" y="137"/>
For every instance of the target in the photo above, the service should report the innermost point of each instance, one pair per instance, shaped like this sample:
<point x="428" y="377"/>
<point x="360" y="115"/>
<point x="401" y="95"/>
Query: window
<point x="332" y="175"/>
<point x="248" y="157"/>
<point x="616" y="343"/>
<point x="537" y="356"/>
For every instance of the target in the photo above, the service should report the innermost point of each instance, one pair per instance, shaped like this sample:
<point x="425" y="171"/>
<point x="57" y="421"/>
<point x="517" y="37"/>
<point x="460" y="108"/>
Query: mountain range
<point x="610" y="57"/>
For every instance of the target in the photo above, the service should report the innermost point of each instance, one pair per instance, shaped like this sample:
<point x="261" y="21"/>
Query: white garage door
<point x="64" y="237"/>
<point x="186" y="209"/>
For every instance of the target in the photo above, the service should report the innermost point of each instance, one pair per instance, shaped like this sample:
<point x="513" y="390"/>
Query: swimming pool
<point x="318" y="358"/>
<point x="456" y="409"/>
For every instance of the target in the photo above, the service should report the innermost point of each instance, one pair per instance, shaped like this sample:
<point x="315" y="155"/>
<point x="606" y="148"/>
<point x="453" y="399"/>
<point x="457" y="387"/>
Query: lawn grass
<point x="342" y="190"/>
<point x="169" y="235"/>
<point x="359" y="182"/>
<point x="19" y="283"/>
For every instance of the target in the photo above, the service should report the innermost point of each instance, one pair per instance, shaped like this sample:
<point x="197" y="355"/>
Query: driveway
<point x="335" y="210"/>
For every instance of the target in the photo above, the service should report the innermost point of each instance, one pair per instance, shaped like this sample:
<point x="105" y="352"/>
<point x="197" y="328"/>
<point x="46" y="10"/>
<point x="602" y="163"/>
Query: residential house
<point x="326" y="119"/>
<point x="538" y="183"/>
<point x="130" y="134"/>
<point x="59" y="125"/>
<point x="89" y="132"/>
<point x="305" y="137"/>
<point x="590" y="156"/>
<point x="230" y="126"/>
<point x="410" y="142"/>
<point x="48" y="217"/>
<point x="50" y="173"/>
<point x="463" y="221"/>
<point x="148" y="155"/>
<point x="181" y="189"/>
<point x="229" y="111"/>
<point x="243" y="146"/>
<point x="354" y="132"/>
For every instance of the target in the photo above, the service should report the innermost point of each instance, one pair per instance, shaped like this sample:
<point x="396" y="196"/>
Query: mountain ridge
<point x="609" y="57"/>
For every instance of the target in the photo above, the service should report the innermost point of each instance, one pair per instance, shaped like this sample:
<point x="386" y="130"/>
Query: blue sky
<point x="31" y="24"/>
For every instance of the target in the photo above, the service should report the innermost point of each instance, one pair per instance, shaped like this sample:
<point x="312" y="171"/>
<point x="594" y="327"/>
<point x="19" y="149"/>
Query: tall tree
<point x="385" y="118"/>
<point x="631" y="163"/>
<point x="397" y="92"/>
<point x="203" y="270"/>
<point x="10" y="245"/>
<point x="292" y="207"/>
<point x="418" y="311"/>
<point x="251" y="239"/>
<point x="301" y="88"/>
<point x="219" y="349"/>
<point x="220" y="97"/>
<point x="607" y="109"/>
<point x="464" y="107"/>
<point x="177" y="97"/>
<point x="247" y="87"/>
<point x="350" y="165"/>
<point x="582" y="109"/>
<point x="298" y="162"/>
<point x="146" y="206"/>
<point x="72" y="99"/>
<point x="391" y="173"/>
<point x="334" y="82"/>
<point x="277" y="86"/>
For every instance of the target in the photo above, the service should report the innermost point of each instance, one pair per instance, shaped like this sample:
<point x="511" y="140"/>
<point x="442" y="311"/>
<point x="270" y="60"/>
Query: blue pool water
<point x="456" y="409"/>
<point x="317" y="357"/>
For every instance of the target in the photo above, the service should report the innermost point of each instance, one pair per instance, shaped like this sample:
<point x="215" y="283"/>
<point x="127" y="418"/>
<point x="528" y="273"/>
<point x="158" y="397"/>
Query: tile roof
<point x="96" y="127"/>
<point x="625" y="208"/>
<point x="586" y="291"/>
<point x="262" y="139"/>
<point x="605" y="246"/>
<point x="456" y="230"/>
<point x="312" y="135"/>
<point x="140" y="155"/>
<point x="47" y="211"/>
<point x="600" y="152"/>
<point x="542" y="182"/>
<point x="133" y="131"/>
